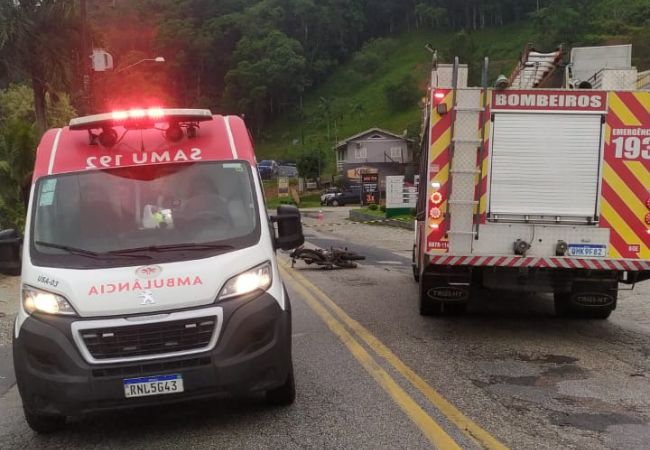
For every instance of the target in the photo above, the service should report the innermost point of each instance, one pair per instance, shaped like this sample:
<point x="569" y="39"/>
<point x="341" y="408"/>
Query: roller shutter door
<point x="545" y="164"/>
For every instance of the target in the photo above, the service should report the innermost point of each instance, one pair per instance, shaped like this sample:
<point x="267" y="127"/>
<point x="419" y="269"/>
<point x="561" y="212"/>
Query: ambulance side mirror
<point x="10" y="243"/>
<point x="290" y="234"/>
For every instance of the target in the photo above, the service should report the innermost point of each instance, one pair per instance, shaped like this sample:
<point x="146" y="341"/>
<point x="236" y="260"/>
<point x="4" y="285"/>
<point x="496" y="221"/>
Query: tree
<point x="17" y="152"/>
<point x="309" y="165"/>
<point x="41" y="45"/>
<point x="403" y="94"/>
<point x="269" y="71"/>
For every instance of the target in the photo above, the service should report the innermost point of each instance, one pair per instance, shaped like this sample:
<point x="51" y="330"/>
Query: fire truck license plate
<point x="599" y="251"/>
<point x="156" y="385"/>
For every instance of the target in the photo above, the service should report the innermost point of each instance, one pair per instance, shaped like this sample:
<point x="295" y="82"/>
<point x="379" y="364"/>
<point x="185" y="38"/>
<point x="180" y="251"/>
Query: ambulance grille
<point x="149" y="339"/>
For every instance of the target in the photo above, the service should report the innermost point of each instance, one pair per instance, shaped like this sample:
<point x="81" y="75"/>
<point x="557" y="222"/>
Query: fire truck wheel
<point x="44" y="424"/>
<point x="565" y="308"/>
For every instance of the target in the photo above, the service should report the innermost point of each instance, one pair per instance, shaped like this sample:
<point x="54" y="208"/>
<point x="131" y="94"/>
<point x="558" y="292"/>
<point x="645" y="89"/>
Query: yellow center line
<point x="429" y="427"/>
<point x="464" y="423"/>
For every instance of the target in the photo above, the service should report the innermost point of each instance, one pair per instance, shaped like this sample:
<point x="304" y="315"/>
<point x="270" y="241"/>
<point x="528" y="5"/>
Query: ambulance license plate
<point x="156" y="385"/>
<point x="598" y="251"/>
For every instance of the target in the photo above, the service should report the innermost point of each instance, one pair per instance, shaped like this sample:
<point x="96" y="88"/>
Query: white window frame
<point x="396" y="152"/>
<point x="361" y="153"/>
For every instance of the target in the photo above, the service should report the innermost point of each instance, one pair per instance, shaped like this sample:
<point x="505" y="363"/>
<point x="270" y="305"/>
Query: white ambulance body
<point x="541" y="190"/>
<point x="148" y="269"/>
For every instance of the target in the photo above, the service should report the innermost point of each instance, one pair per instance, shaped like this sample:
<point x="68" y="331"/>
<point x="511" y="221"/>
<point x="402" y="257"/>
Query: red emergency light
<point x="140" y="118"/>
<point x="436" y="198"/>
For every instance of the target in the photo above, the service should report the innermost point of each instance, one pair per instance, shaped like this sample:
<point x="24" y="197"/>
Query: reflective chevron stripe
<point x="552" y="263"/>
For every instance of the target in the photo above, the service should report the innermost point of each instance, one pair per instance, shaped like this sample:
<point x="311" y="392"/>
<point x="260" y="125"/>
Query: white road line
<point x="390" y="263"/>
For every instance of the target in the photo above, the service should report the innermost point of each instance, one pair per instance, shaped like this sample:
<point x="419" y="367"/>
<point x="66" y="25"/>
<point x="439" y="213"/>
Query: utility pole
<point x="84" y="58"/>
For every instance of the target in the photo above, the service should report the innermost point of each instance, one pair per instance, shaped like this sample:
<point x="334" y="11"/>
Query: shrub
<point x="382" y="208"/>
<point x="373" y="207"/>
<point x="402" y="95"/>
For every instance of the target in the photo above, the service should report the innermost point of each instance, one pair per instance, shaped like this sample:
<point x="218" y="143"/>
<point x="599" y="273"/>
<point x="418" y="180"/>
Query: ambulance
<point x="149" y="271"/>
<point x="533" y="189"/>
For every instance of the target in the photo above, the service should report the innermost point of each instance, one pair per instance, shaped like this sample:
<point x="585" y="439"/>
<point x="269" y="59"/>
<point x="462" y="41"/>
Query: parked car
<point x="349" y="196"/>
<point x="328" y="194"/>
<point x="288" y="170"/>
<point x="268" y="169"/>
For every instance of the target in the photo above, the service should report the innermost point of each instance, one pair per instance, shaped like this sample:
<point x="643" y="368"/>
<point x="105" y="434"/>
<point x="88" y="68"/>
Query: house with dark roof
<point x="373" y="151"/>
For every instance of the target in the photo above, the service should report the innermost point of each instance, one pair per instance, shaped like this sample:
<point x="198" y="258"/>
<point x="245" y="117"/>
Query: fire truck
<point x="533" y="188"/>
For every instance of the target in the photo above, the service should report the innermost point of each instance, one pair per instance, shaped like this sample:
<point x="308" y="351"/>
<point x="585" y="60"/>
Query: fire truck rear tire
<point x="565" y="308"/>
<point x="430" y="307"/>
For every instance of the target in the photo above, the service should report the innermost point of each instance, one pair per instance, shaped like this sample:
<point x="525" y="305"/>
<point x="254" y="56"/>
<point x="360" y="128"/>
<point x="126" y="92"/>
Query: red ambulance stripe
<point x="630" y="218"/>
<point x="43" y="153"/>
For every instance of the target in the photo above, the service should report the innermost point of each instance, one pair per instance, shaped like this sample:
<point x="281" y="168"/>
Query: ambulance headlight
<point x="256" y="279"/>
<point x="37" y="300"/>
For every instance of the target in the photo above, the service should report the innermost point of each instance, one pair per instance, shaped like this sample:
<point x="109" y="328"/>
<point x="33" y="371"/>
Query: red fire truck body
<point x="532" y="190"/>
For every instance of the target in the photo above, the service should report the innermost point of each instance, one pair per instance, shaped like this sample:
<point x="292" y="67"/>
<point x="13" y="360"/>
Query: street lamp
<point x="157" y="59"/>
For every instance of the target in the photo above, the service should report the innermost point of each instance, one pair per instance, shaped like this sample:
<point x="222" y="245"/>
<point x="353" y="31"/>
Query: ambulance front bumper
<point x="252" y="353"/>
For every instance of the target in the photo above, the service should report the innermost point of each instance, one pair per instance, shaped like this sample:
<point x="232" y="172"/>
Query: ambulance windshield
<point x="171" y="212"/>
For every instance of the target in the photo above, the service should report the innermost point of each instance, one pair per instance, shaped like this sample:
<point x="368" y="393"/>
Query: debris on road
<point x="328" y="259"/>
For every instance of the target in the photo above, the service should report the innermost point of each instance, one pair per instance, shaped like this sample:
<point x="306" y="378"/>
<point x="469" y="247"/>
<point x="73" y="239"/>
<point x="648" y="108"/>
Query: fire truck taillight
<point x="436" y="198"/>
<point x="435" y="213"/>
<point x="434" y="226"/>
<point x="647" y="219"/>
<point x="439" y="96"/>
<point x="647" y="203"/>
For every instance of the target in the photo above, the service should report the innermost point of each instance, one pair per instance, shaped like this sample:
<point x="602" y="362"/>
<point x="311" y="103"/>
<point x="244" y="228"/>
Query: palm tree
<point x="40" y="44"/>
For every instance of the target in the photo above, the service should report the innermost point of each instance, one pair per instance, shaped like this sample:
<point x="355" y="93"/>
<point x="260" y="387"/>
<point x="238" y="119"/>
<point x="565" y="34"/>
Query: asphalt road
<point x="372" y="373"/>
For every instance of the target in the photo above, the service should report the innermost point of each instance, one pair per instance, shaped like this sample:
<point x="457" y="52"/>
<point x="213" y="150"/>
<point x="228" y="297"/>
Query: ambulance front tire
<point x="567" y="309"/>
<point x="42" y="423"/>
<point x="284" y="395"/>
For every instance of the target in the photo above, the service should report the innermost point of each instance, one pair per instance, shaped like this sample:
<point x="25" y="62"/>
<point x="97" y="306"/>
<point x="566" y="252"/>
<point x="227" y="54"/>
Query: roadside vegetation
<point x="304" y="73"/>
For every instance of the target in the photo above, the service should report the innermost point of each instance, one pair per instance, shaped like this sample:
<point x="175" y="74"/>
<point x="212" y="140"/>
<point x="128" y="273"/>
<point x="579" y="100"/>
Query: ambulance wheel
<point x="565" y="308"/>
<point x="42" y="423"/>
<point x="284" y="395"/>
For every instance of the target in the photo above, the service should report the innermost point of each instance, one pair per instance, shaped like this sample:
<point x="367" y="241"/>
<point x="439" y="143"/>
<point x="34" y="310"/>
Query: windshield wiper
<point x="84" y="252"/>
<point x="173" y="247"/>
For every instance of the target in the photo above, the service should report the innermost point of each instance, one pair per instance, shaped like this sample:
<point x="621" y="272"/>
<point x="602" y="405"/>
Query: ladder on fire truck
<point x="466" y="153"/>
